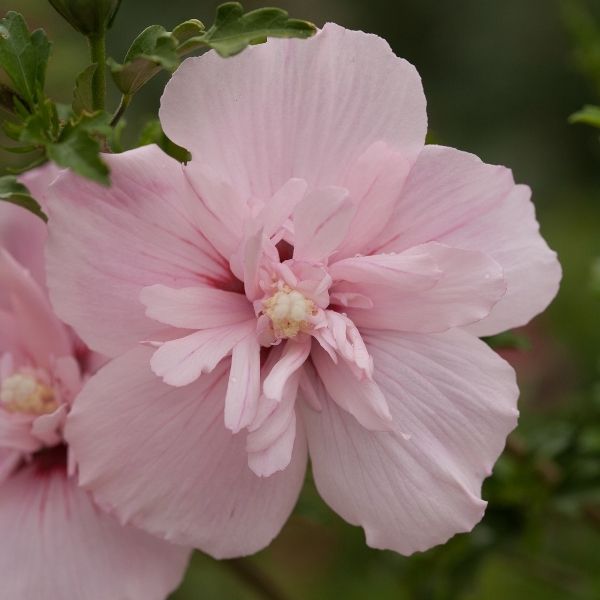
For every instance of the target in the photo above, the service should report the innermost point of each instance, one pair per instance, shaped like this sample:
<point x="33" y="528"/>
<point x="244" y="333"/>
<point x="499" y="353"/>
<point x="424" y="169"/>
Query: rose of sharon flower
<point x="313" y="283"/>
<point x="56" y="543"/>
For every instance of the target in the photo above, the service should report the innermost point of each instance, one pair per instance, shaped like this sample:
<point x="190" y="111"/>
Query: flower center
<point x="24" y="392"/>
<point x="289" y="311"/>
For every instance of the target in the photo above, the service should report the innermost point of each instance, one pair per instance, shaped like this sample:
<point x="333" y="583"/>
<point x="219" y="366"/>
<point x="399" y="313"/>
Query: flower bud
<point x="89" y="17"/>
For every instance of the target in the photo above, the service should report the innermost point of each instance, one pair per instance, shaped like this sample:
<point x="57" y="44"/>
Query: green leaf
<point x="78" y="148"/>
<point x="233" y="30"/>
<point x="509" y="340"/>
<point x="153" y="134"/>
<point x="154" y="49"/>
<point x="187" y="31"/>
<point x="82" y="94"/>
<point x="589" y="115"/>
<point x="11" y="190"/>
<point x="24" y="57"/>
<point x="42" y="126"/>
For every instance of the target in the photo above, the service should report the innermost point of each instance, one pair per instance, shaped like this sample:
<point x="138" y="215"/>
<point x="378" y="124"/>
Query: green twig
<point x="125" y="100"/>
<point x="98" y="55"/>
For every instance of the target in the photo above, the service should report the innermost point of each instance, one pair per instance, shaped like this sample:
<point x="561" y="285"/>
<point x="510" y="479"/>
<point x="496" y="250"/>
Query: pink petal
<point x="465" y="288"/>
<point x="181" y="361"/>
<point x="164" y="459"/>
<point x="107" y="244"/>
<point x="270" y="447"/>
<point x="243" y="389"/>
<point x="445" y="190"/>
<point x="294" y="355"/>
<point x="341" y="337"/>
<point x="220" y="211"/>
<point x="510" y="234"/>
<point x="454" y="198"/>
<point x="41" y="334"/>
<point x="57" y="544"/>
<point x="321" y="222"/>
<point x="48" y="428"/>
<point x="281" y="206"/>
<point x="295" y="108"/>
<point x="10" y="339"/>
<point x="375" y="183"/>
<point x="16" y="434"/>
<point x="251" y="261"/>
<point x="364" y="399"/>
<point x="22" y="233"/>
<point x="453" y="403"/>
<point x="9" y="459"/>
<point x="195" y="307"/>
<point x="39" y="180"/>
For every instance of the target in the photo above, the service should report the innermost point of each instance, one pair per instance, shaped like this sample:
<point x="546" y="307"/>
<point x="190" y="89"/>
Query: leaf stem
<point x="255" y="578"/>
<point x="125" y="101"/>
<point x="97" y="43"/>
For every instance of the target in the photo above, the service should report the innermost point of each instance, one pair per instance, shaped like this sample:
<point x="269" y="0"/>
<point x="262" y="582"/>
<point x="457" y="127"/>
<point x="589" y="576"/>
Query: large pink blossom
<point x="313" y="283"/>
<point x="56" y="543"/>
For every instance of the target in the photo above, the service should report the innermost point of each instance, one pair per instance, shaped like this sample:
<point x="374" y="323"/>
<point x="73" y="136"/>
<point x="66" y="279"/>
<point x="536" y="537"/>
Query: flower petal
<point x="270" y="443"/>
<point x="24" y="234"/>
<point x="162" y="457"/>
<point x="363" y="399"/>
<point x="220" y="211"/>
<point x="180" y="362"/>
<point x="321" y="222"/>
<point x="58" y="544"/>
<point x="456" y="199"/>
<point x="41" y="335"/>
<point x="294" y="355"/>
<point x="195" y="307"/>
<point x="106" y="244"/>
<point x="510" y="234"/>
<point x="280" y="207"/>
<point x="462" y="288"/>
<point x="295" y="108"/>
<point x="453" y="402"/>
<point x="243" y="389"/>
<point x="375" y="183"/>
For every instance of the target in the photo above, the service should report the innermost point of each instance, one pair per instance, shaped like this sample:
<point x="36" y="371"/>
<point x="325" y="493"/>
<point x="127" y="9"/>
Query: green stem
<point x="98" y="55"/>
<point x="125" y="100"/>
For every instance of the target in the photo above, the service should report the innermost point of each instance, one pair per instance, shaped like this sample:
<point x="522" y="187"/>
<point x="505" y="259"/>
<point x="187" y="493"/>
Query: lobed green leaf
<point x="24" y="57"/>
<point x="11" y="190"/>
<point x="78" y="147"/>
<point x="82" y="94"/>
<point x="234" y="30"/>
<point x="154" y="49"/>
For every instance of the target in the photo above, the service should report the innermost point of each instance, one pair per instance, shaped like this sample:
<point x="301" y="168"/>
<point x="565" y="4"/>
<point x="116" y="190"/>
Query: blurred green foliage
<point x="501" y="79"/>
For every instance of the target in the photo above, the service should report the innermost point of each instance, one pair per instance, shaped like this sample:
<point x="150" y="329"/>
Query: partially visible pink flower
<point x="312" y="282"/>
<point x="56" y="542"/>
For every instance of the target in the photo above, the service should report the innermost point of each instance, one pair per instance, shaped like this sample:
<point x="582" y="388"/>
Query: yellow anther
<point x="289" y="312"/>
<point x="23" y="392"/>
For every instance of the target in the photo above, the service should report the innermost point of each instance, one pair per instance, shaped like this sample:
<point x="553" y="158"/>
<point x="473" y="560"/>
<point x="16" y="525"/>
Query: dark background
<point x="501" y="79"/>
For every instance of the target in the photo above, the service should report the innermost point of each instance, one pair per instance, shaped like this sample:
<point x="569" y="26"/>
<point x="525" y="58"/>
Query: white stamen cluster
<point x="23" y="392"/>
<point x="289" y="312"/>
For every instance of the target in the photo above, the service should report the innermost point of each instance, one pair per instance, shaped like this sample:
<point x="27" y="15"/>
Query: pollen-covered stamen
<point x="290" y="312"/>
<point x="24" y="392"/>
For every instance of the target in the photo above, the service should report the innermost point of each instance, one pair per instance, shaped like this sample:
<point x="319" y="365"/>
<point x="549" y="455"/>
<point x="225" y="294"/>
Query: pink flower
<point x="56" y="543"/>
<point x="312" y="282"/>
